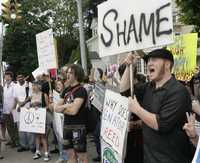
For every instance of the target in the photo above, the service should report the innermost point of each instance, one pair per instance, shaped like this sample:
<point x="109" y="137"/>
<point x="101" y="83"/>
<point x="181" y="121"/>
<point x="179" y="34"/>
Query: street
<point x="12" y="156"/>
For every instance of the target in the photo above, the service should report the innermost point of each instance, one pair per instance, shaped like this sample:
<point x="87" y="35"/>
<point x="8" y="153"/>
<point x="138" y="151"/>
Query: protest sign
<point x="58" y="118"/>
<point x="46" y="49"/>
<point x="196" y="158"/>
<point x="39" y="71"/>
<point x="99" y="94"/>
<point x="58" y="122"/>
<point x="108" y="155"/>
<point x="129" y="25"/>
<point x="185" y="52"/>
<point x="32" y="120"/>
<point x="115" y="118"/>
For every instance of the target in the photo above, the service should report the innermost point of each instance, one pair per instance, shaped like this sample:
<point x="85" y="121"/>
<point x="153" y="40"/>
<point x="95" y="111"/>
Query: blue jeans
<point x="63" y="154"/>
<point x="27" y="140"/>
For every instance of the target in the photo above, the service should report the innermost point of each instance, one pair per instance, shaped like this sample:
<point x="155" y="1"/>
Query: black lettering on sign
<point x="143" y="25"/>
<point x="160" y="20"/>
<point x="118" y="123"/>
<point x="132" y="28"/>
<point x="108" y="43"/>
<point x="123" y="112"/>
<point x="111" y="104"/>
<point x="123" y="33"/>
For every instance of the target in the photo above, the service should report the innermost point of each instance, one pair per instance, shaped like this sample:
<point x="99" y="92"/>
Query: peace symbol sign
<point x="28" y="118"/>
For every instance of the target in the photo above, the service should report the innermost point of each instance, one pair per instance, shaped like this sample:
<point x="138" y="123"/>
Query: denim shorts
<point x="74" y="137"/>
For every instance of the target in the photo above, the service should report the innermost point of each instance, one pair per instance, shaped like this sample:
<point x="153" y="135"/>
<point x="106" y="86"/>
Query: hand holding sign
<point x="131" y="59"/>
<point x="133" y="105"/>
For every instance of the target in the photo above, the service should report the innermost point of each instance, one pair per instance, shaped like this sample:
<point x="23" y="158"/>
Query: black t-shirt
<point x="69" y="94"/>
<point x="170" y="103"/>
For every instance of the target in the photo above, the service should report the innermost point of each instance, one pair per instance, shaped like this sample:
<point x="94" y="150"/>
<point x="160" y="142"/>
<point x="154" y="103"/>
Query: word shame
<point x="130" y="33"/>
<point x="137" y="26"/>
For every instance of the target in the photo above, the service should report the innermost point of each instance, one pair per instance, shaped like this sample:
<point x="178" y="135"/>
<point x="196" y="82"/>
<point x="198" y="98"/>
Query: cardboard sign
<point x="47" y="56"/>
<point x="185" y="55"/>
<point x="32" y="120"/>
<point x="108" y="155"/>
<point x="129" y="25"/>
<point x="39" y="71"/>
<point x="115" y="118"/>
<point x="58" y="118"/>
<point x="58" y="122"/>
<point x="99" y="94"/>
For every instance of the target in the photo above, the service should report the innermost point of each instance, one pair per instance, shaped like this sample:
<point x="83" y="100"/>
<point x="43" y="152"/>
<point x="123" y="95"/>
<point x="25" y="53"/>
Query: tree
<point x="90" y="13"/>
<point x="19" y="42"/>
<point x="189" y="13"/>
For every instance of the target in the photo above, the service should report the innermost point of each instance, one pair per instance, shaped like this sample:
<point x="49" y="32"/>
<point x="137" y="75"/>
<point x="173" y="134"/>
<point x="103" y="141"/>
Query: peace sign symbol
<point x="28" y="118"/>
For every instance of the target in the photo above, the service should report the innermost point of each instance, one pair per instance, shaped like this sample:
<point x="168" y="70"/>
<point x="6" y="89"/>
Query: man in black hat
<point x="162" y="109"/>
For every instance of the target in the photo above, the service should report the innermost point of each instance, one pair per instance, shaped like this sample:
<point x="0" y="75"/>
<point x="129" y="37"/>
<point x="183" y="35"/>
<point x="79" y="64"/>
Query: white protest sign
<point x="58" y="118"/>
<point x="196" y="158"/>
<point x="39" y="71"/>
<point x="47" y="56"/>
<point x="58" y="122"/>
<point x="32" y="120"/>
<point x="99" y="94"/>
<point x="114" y="121"/>
<point x="129" y="25"/>
<point x="108" y="155"/>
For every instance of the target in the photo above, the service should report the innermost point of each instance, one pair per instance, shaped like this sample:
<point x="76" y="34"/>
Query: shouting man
<point x="162" y="109"/>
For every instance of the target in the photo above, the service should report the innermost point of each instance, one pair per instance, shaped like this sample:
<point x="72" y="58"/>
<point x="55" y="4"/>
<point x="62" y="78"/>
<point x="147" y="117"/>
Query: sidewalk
<point x="12" y="156"/>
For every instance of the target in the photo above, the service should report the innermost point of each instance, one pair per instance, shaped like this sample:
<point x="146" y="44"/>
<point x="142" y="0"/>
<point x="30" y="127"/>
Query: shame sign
<point x="129" y="25"/>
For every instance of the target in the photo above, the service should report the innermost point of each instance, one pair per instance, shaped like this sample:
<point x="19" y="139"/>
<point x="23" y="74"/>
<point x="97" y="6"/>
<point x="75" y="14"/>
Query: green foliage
<point x="189" y="12"/>
<point x="20" y="49"/>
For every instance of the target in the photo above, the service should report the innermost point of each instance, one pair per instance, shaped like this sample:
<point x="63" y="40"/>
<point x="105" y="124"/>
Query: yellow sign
<point x="185" y="52"/>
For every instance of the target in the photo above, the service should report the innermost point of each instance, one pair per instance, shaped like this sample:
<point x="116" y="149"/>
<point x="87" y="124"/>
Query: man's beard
<point x="161" y="73"/>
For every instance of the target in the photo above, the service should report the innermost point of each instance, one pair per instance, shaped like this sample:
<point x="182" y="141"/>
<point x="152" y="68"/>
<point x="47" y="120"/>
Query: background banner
<point x="185" y="53"/>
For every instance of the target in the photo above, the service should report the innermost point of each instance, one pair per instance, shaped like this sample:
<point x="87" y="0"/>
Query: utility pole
<point x="82" y="36"/>
<point x="1" y="54"/>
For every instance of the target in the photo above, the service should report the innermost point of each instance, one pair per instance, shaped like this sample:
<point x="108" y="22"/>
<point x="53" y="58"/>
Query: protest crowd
<point x="161" y="125"/>
<point x="130" y="117"/>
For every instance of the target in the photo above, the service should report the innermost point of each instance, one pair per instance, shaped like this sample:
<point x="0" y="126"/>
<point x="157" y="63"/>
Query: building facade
<point x="98" y="62"/>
